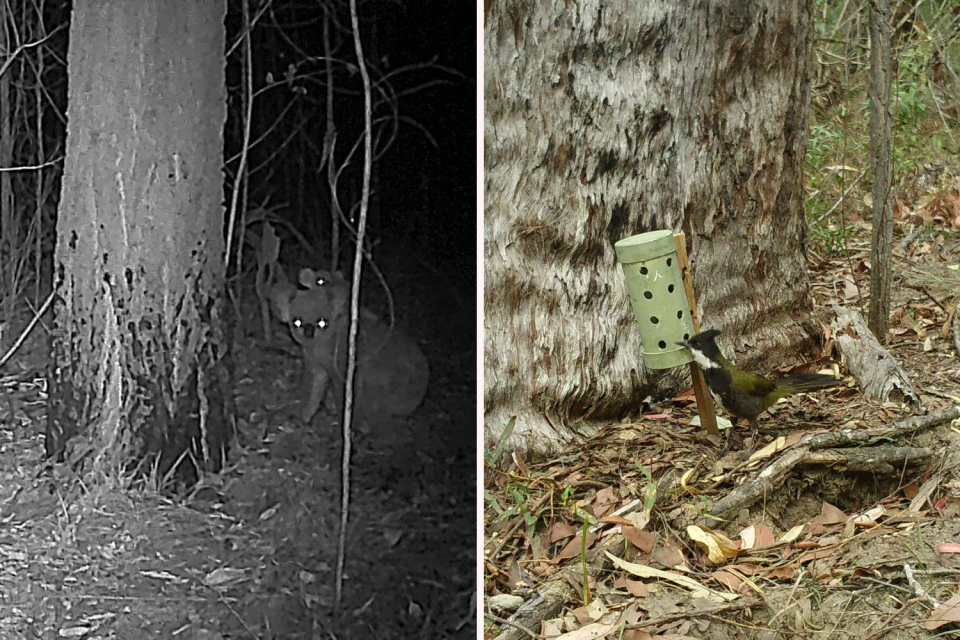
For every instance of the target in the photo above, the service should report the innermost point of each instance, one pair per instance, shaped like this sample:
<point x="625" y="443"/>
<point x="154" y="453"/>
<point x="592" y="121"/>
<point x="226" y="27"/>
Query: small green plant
<point x="492" y="457"/>
<point x="492" y="502"/>
<point x="586" y="517"/>
<point x="520" y="495"/>
<point x="650" y="491"/>
<point x="567" y="501"/>
<point x="830" y="238"/>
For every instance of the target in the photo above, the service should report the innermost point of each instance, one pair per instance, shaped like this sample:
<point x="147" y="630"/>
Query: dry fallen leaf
<point x="911" y="490"/>
<point x="792" y="534"/>
<point x="643" y="540"/>
<point x="900" y="209"/>
<point x="582" y="615"/>
<point x="552" y="628"/>
<point x="604" y="502"/>
<point x="573" y="548"/>
<point x="785" y="571"/>
<point x="829" y="514"/>
<point x="561" y="530"/>
<point x="757" y="535"/>
<point x="589" y="632"/>
<point x="777" y="444"/>
<point x="635" y="587"/>
<point x="869" y="517"/>
<point x="668" y="555"/>
<point x="638" y="519"/>
<point x="684" y="482"/>
<point x="719" y="547"/>
<point x="746" y="569"/>
<point x="697" y="589"/>
<point x="596" y="609"/>
<point x="223" y="575"/>
<point x="850" y="289"/>
<point x="727" y="579"/>
<point x="946" y="613"/>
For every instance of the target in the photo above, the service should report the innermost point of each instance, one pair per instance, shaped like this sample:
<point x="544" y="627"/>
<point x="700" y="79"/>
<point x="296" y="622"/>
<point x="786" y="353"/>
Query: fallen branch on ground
<point x="874" y="459"/>
<point x="889" y="431"/>
<point x="956" y="330"/>
<point x="737" y="605"/>
<point x="877" y="372"/>
<point x="878" y="460"/>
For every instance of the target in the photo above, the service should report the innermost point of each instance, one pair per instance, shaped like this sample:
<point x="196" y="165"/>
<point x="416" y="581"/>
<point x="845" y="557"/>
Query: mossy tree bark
<point x="606" y="120"/>
<point x="140" y="354"/>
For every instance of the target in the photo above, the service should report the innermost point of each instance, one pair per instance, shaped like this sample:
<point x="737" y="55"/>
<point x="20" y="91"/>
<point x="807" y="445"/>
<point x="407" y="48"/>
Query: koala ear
<point x="283" y="302"/>
<point x="308" y="278"/>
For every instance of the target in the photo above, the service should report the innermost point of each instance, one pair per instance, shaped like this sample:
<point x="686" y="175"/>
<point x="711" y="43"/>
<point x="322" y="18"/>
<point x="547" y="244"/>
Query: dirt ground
<point x="845" y="545"/>
<point x="251" y="553"/>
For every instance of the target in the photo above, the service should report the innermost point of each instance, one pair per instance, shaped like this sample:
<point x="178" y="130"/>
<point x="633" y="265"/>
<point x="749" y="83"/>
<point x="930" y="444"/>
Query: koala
<point x="392" y="372"/>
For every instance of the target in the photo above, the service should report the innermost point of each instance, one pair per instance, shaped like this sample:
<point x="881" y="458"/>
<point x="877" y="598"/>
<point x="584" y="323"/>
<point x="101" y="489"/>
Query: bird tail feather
<point x="805" y="382"/>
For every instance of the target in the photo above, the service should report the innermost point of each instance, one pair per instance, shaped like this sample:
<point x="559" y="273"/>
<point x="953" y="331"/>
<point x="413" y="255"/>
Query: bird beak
<point x="683" y="343"/>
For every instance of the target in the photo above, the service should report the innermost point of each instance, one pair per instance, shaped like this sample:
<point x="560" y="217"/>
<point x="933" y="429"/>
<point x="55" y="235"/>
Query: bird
<point x="745" y="394"/>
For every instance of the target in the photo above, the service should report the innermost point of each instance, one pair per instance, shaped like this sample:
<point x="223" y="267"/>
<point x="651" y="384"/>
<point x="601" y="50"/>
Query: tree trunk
<point x="603" y="121"/>
<point x="9" y="222"/>
<point x="140" y="356"/>
<point x="881" y="163"/>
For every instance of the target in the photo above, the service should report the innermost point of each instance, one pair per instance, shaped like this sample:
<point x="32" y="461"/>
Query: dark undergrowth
<point x="251" y="553"/>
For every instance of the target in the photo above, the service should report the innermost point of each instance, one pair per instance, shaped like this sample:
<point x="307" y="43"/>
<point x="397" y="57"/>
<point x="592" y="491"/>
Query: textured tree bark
<point x="9" y="220"/>
<point x="140" y="357"/>
<point x="606" y="120"/>
<point x="880" y="161"/>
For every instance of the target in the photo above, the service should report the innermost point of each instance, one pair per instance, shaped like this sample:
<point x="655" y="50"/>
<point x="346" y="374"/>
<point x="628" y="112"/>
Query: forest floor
<point x="251" y="553"/>
<point x="857" y="542"/>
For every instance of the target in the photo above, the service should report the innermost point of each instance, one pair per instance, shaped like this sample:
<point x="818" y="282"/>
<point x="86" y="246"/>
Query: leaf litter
<point x="833" y="550"/>
<point x="250" y="553"/>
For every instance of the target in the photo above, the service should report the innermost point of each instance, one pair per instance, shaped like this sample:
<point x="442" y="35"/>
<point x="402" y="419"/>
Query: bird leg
<point x="726" y="444"/>
<point x="731" y="437"/>
<point x="754" y="434"/>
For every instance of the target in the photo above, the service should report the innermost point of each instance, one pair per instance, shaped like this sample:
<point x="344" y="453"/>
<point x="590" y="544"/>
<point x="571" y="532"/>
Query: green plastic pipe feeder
<point x="655" y="285"/>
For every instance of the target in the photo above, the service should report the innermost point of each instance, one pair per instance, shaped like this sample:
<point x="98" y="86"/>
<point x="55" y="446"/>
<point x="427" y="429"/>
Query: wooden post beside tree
<point x="705" y="408"/>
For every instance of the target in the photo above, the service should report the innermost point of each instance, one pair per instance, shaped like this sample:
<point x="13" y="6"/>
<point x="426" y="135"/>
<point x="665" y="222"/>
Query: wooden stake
<point x="708" y="414"/>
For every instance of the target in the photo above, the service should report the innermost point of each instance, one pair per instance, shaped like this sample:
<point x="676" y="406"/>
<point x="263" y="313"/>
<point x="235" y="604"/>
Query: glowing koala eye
<point x="322" y="323"/>
<point x="321" y="281"/>
<point x="297" y="322"/>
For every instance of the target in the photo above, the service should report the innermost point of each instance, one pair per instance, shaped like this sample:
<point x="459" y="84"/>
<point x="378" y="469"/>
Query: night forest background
<point x="270" y="516"/>
<point x="422" y="56"/>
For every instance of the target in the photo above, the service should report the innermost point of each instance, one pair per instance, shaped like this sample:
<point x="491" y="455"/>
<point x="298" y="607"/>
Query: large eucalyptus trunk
<point x="139" y="348"/>
<point x="606" y="120"/>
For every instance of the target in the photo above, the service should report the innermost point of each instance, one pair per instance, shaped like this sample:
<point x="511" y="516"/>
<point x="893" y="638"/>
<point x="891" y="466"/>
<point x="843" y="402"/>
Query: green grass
<point x="925" y="115"/>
